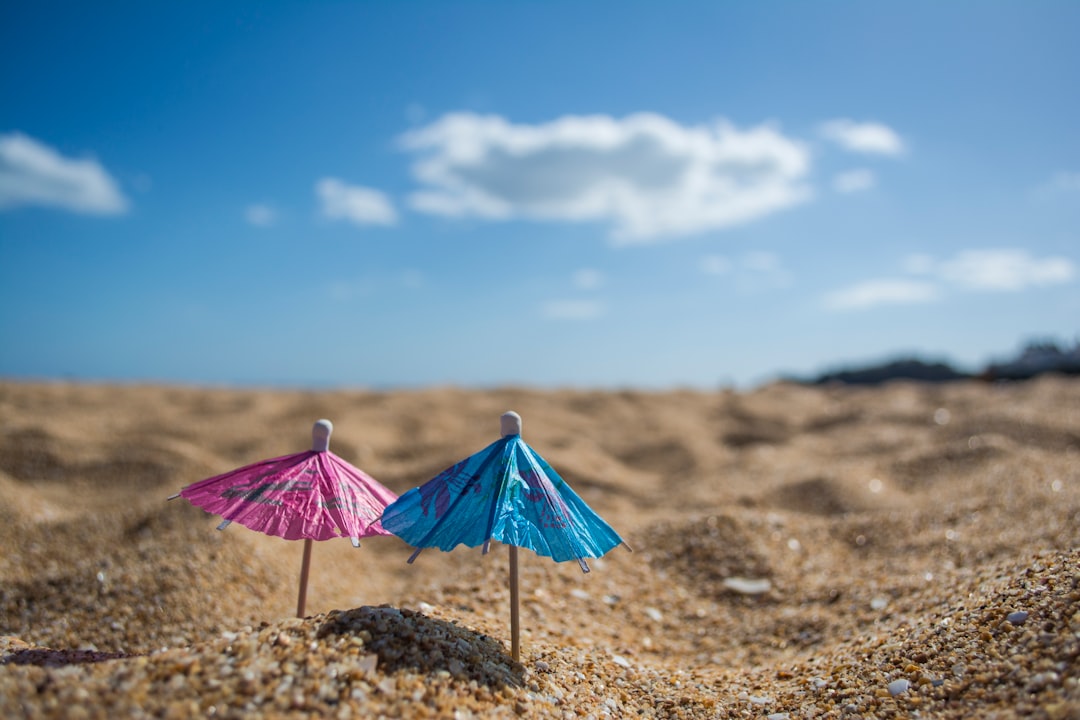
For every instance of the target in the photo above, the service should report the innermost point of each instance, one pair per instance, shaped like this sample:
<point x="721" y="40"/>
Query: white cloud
<point x="1064" y="184"/>
<point x="32" y="173"/>
<point x="572" y="309"/>
<point x="885" y="291"/>
<point x="987" y="270"/>
<point x="762" y="270"/>
<point x="1066" y="181"/>
<point x="762" y="262"/>
<point x="648" y="176"/>
<point x="588" y="279"/>
<point x="751" y="272"/>
<point x="854" y="181"/>
<point x="261" y="215"/>
<point x="1004" y="270"/>
<point x="355" y="204"/>
<point x="871" y="138"/>
<point x="715" y="265"/>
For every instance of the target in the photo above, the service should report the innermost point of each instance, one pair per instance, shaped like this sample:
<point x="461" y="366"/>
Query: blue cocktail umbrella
<point x="505" y="492"/>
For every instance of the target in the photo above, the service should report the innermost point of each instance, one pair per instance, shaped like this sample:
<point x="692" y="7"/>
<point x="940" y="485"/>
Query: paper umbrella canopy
<point x="505" y="492"/>
<point x="312" y="495"/>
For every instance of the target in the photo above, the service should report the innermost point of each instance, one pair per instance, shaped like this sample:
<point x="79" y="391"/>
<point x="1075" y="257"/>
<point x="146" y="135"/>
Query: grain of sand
<point x="903" y="551"/>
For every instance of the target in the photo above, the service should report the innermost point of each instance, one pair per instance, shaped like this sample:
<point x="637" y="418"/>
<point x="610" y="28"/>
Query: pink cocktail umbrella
<point x="313" y="495"/>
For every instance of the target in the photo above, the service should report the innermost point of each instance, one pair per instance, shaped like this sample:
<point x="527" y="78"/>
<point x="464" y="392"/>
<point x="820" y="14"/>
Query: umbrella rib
<point x="556" y="511"/>
<point x="567" y="516"/>
<point x="498" y="495"/>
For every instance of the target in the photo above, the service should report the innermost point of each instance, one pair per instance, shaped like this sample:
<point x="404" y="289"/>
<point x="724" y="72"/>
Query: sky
<point x="601" y="194"/>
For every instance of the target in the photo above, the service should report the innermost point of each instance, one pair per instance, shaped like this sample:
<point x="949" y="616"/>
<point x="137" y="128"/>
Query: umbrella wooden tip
<point x="510" y="423"/>
<point x="320" y="435"/>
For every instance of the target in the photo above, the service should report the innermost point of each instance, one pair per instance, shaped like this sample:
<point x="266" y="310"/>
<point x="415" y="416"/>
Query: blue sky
<point x="598" y="194"/>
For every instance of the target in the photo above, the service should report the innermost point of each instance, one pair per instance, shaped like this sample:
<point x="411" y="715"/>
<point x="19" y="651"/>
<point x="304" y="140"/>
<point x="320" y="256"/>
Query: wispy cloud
<point x="588" y="279"/>
<point x="978" y="270"/>
<point x="752" y="271"/>
<point x="585" y="307"/>
<point x="854" y="181"/>
<point x="573" y="309"/>
<point x="762" y="261"/>
<point x="1003" y="270"/>
<point x="32" y="173"/>
<point x="1063" y="184"/>
<point x="261" y="215"/>
<point x="715" y="265"/>
<point x="868" y="137"/>
<point x="884" y="291"/>
<point x="645" y="175"/>
<point x="1066" y="181"/>
<point x="381" y="285"/>
<point x="353" y="203"/>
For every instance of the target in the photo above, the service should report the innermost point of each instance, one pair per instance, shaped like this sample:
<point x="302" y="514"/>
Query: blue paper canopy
<point x="505" y="492"/>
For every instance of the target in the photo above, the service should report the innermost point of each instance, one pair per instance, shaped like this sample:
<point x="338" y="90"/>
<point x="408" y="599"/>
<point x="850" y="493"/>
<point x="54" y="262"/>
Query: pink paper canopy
<point x="313" y="495"/>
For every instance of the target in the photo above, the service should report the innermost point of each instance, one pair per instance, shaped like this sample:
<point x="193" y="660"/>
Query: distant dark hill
<point x="903" y="369"/>
<point x="1033" y="360"/>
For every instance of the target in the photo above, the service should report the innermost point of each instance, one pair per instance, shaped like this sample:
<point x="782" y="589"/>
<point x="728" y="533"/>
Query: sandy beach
<point x="908" y="550"/>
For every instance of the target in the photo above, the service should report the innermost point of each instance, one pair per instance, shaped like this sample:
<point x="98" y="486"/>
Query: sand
<point x="902" y="551"/>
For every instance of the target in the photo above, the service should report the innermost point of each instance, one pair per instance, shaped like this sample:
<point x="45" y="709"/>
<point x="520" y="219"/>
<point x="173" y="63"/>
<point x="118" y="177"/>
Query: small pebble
<point x="897" y="687"/>
<point x="1017" y="618"/>
<point x="748" y="586"/>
